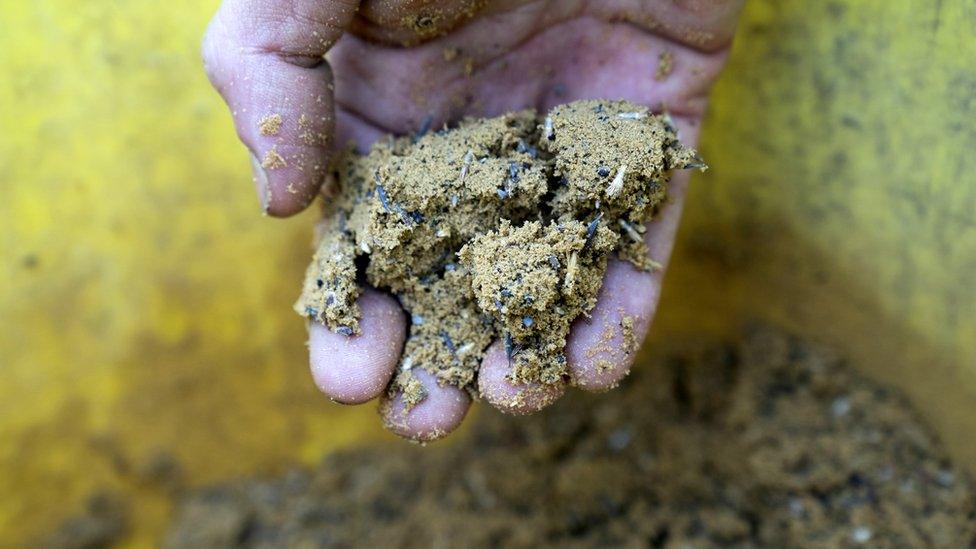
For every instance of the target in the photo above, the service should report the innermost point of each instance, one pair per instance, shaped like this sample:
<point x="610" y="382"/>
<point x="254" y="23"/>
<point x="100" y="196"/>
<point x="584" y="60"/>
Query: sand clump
<point x="498" y="229"/>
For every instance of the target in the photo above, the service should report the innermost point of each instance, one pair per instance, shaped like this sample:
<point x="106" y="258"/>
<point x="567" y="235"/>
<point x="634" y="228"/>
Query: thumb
<point x="266" y="58"/>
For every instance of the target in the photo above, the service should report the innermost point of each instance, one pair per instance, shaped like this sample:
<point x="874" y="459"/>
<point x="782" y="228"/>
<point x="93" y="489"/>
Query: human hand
<point x="400" y="66"/>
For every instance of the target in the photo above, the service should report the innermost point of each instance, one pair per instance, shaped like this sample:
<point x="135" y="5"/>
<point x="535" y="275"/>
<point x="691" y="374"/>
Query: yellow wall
<point x="145" y="303"/>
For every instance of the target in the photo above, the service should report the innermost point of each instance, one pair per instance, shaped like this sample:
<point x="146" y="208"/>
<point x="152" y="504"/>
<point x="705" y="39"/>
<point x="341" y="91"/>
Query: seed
<point x="591" y="229"/>
<point x="424" y="127"/>
<point x="527" y="321"/>
<point x="344" y="330"/>
<point x="448" y="342"/>
<point x="697" y="163"/>
<point x="465" y="166"/>
<point x="548" y="129"/>
<point x="554" y="262"/>
<point x="617" y="184"/>
<point x="417" y="319"/>
<point x="513" y="172"/>
<point x="603" y="171"/>
<point x="571" y="271"/>
<point x="365" y="247"/>
<point x="525" y="148"/>
<point x="631" y="231"/>
<point x="381" y="193"/>
<point x="669" y="123"/>
<point x="632" y="115"/>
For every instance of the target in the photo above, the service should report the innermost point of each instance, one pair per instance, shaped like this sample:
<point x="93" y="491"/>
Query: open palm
<point x="302" y="76"/>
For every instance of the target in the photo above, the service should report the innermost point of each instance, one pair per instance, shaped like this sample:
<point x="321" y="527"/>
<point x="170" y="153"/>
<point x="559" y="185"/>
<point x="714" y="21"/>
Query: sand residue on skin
<point x="498" y="229"/>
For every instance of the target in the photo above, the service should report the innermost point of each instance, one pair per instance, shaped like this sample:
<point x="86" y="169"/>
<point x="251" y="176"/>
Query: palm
<point x="515" y="55"/>
<point x="390" y="78"/>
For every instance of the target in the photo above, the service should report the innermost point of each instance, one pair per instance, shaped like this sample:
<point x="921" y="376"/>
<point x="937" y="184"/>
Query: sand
<point x="770" y="442"/>
<point x="498" y="229"/>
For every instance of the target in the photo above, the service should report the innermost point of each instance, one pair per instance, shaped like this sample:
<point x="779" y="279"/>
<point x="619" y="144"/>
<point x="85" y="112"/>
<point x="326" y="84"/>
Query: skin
<point x="351" y="71"/>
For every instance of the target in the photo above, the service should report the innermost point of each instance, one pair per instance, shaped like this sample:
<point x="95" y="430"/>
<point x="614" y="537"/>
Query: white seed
<point x="862" y="534"/>
<point x="365" y="247"/>
<point x="632" y="115"/>
<point x="617" y="184"/>
<point x="547" y="129"/>
<point x="629" y="229"/>
<point x="407" y="364"/>
<point x="571" y="271"/>
<point x="466" y="165"/>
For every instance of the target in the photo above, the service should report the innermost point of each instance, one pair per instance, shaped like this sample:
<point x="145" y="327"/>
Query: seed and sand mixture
<point x="498" y="229"/>
<point x="771" y="442"/>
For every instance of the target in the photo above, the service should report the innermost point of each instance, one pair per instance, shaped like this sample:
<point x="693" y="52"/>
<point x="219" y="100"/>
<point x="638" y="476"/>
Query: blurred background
<point x="145" y="322"/>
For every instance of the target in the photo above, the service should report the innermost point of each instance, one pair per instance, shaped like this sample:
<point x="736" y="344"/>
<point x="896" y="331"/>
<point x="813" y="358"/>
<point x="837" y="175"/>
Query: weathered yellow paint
<point x="145" y="302"/>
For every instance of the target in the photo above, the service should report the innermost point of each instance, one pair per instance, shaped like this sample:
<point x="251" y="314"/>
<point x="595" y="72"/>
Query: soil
<point x="497" y="229"/>
<point x="770" y="442"/>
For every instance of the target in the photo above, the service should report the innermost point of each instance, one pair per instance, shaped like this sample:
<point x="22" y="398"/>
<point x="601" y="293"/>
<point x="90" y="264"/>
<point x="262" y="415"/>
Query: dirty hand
<point x="301" y="76"/>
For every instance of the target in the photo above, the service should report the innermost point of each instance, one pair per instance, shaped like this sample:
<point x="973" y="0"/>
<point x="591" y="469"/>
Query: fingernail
<point x="261" y="183"/>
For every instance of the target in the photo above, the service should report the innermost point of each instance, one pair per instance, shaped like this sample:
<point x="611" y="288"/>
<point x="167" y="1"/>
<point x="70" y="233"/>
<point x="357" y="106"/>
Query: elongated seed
<point x="632" y="115"/>
<point x="629" y="229"/>
<point x="617" y="184"/>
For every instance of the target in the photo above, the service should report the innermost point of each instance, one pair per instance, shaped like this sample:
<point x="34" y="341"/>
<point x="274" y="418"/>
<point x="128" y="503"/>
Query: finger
<point x="355" y="369"/>
<point x="506" y="396"/>
<point x="439" y="413"/>
<point x="601" y="348"/>
<point x="265" y="57"/>
<point x="708" y="26"/>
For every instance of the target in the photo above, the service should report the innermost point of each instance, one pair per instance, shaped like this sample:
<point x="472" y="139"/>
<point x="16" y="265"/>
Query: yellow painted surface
<point x="145" y="303"/>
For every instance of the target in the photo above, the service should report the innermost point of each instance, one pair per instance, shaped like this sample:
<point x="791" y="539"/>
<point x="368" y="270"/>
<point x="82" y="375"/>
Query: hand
<point x="398" y="66"/>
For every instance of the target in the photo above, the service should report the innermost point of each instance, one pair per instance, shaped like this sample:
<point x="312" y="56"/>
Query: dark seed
<point x="554" y="262"/>
<point x="448" y="342"/>
<point x="329" y="300"/>
<point x="509" y="347"/>
<point x="344" y="330"/>
<point x="424" y="127"/>
<point x="513" y="172"/>
<point x="603" y="171"/>
<point x="696" y="164"/>
<point x="591" y="230"/>
<point x="381" y="193"/>
<point x="505" y="292"/>
<point x="311" y="312"/>
<point x="319" y="282"/>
